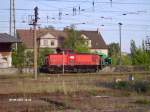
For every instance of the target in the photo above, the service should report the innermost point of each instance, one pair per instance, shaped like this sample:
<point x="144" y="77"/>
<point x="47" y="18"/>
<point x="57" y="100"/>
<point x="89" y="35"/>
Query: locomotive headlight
<point x="71" y="57"/>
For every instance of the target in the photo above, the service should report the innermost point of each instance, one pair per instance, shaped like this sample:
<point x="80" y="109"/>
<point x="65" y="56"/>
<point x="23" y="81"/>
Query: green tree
<point x="75" y="41"/>
<point x="18" y="56"/>
<point x="133" y="50"/>
<point x="42" y="53"/>
<point x="139" y="56"/>
<point x="29" y="58"/>
<point x="113" y="52"/>
<point x="113" y="49"/>
<point x="115" y="60"/>
<point x="126" y="60"/>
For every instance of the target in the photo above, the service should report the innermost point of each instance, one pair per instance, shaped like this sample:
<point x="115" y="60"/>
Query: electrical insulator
<point x="93" y="3"/>
<point x="111" y="3"/>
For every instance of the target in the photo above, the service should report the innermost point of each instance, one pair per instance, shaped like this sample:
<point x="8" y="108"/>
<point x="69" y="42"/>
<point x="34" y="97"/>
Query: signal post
<point x="34" y="23"/>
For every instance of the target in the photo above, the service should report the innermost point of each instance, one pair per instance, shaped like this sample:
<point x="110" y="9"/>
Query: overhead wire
<point x="87" y="1"/>
<point x="86" y="11"/>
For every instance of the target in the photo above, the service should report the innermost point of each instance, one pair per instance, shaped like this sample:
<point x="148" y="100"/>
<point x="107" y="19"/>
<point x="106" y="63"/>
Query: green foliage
<point x="126" y="60"/>
<point x="18" y="56"/>
<point x="42" y="53"/>
<point x="115" y="60"/>
<point x="121" y="85"/>
<point x="141" y="87"/>
<point x="138" y="86"/>
<point x="142" y="101"/>
<point x="22" y="58"/>
<point x="139" y="56"/>
<point x="113" y="49"/>
<point x="81" y="48"/>
<point x="75" y="42"/>
<point x="29" y="58"/>
<point x="113" y="52"/>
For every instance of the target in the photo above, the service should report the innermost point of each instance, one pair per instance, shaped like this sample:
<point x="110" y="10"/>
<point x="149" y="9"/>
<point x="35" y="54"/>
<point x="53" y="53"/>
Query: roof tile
<point x="5" y="38"/>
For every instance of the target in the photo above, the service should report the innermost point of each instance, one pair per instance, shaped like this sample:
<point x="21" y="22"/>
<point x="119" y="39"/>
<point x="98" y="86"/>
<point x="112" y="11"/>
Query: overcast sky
<point x="104" y="16"/>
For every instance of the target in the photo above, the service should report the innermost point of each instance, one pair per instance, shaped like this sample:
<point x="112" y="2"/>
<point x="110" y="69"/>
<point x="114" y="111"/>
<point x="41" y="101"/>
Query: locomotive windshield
<point x="66" y="51"/>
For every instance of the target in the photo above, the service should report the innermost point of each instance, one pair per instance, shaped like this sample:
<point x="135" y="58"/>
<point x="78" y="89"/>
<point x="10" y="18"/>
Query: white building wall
<point x="5" y="59"/>
<point x="48" y="44"/>
<point x="47" y="40"/>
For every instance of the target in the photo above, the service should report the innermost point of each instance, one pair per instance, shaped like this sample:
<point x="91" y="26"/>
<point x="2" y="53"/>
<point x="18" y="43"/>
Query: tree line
<point x="137" y="56"/>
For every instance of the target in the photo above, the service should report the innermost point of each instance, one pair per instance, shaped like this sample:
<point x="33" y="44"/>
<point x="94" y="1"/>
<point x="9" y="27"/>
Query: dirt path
<point x="71" y="103"/>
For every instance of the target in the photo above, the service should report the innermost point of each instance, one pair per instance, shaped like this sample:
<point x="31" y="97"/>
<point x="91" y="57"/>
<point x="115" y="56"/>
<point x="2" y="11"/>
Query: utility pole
<point x="63" y="63"/>
<point x="10" y="17"/>
<point x="111" y="3"/>
<point x="14" y="19"/>
<point x="120" y="25"/>
<point x="34" y="23"/>
<point x="14" y="22"/>
<point x="35" y="40"/>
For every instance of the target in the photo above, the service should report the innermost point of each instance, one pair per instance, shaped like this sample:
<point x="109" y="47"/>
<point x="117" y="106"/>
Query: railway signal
<point x="33" y="22"/>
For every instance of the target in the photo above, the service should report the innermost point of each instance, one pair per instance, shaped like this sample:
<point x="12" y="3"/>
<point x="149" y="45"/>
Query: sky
<point x="104" y="16"/>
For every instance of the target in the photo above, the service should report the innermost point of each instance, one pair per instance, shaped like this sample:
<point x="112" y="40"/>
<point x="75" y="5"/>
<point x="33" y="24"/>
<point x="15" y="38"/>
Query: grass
<point x="142" y="101"/>
<point x="137" y="86"/>
<point x="82" y="88"/>
<point x="46" y="84"/>
<point x="93" y="84"/>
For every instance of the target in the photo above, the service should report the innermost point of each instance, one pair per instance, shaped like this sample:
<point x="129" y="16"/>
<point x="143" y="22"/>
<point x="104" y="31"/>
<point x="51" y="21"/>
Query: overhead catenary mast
<point x="147" y="43"/>
<point x="10" y="18"/>
<point x="111" y="3"/>
<point x="14" y="19"/>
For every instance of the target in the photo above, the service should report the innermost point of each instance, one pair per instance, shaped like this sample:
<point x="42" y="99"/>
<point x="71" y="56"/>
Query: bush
<point x="142" y="101"/>
<point x="122" y="85"/>
<point x="138" y="86"/>
<point x="42" y="53"/>
<point x="141" y="86"/>
<point x="18" y="57"/>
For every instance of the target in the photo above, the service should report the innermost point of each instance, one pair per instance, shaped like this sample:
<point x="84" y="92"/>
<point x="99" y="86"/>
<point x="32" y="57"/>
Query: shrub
<point x="138" y="86"/>
<point x="141" y="86"/>
<point x="121" y="85"/>
<point x="142" y="101"/>
<point x="42" y="53"/>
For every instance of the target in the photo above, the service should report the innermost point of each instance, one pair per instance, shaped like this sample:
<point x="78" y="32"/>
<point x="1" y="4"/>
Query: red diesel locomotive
<point x="70" y="61"/>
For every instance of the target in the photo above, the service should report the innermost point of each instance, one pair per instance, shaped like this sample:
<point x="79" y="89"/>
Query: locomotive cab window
<point x="71" y="52"/>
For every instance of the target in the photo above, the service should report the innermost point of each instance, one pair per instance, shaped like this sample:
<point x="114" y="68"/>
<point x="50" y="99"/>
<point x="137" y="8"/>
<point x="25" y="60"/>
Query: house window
<point x="45" y="42"/>
<point x="52" y="43"/>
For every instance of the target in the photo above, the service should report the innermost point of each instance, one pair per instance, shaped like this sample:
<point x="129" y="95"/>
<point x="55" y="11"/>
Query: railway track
<point x="72" y="74"/>
<point x="99" y="73"/>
